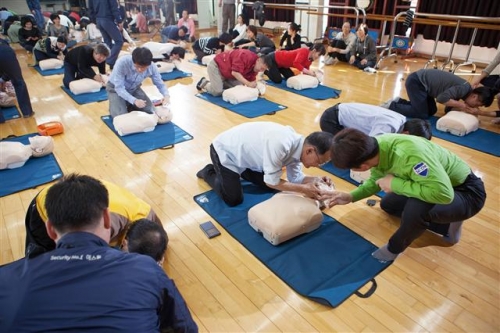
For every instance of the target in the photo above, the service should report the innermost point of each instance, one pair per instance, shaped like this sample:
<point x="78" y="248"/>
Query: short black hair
<point x="321" y="140"/>
<point x="62" y="39"/>
<point x="179" y="51"/>
<point x="76" y="203"/>
<point x="253" y="29"/>
<point x="295" y="27"/>
<point x="418" y="127"/>
<point x="268" y="59"/>
<point x="225" y="38"/>
<point x="351" y="148"/>
<point x="142" y="56"/>
<point x="183" y="28"/>
<point x="103" y="49"/>
<point x="485" y="94"/>
<point x="147" y="237"/>
<point x="54" y="16"/>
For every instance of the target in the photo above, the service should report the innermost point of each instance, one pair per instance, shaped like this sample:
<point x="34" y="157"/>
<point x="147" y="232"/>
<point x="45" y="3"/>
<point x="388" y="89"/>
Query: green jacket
<point x="422" y="169"/>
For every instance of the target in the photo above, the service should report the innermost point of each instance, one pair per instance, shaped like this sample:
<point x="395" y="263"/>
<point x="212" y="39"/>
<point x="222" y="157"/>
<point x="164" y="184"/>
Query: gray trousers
<point x="218" y="83"/>
<point x="118" y="105"/>
<point x="228" y="14"/>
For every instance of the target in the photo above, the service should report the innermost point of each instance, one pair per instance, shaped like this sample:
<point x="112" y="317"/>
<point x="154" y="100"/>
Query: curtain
<point x="483" y="8"/>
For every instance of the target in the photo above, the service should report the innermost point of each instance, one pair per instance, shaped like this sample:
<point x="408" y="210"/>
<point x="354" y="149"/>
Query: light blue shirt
<point x="263" y="147"/>
<point x="127" y="79"/>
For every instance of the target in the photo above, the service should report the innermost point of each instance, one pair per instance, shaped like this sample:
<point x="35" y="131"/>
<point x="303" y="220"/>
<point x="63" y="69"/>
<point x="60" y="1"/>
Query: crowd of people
<point x="80" y="229"/>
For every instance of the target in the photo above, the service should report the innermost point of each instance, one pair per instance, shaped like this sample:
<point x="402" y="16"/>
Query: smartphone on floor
<point x="209" y="229"/>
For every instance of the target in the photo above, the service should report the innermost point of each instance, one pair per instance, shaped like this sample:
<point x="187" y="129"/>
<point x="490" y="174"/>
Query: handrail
<point x="302" y="7"/>
<point x="459" y="23"/>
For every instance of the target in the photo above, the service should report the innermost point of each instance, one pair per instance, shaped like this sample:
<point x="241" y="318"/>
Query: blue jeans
<point x="110" y="34"/>
<point x="421" y="105"/>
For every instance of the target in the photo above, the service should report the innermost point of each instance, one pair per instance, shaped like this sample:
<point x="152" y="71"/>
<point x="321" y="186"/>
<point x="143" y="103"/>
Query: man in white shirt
<point x="371" y="120"/>
<point x="258" y="152"/>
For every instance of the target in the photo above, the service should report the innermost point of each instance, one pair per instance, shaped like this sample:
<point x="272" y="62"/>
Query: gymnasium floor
<point x="432" y="287"/>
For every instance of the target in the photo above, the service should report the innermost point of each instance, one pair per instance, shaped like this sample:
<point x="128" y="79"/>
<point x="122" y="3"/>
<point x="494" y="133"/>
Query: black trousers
<point x="417" y="215"/>
<point x="421" y="105"/>
<point x="340" y="44"/>
<point x="275" y="73"/>
<point x="329" y="121"/>
<point x="227" y="184"/>
<point x="37" y="239"/>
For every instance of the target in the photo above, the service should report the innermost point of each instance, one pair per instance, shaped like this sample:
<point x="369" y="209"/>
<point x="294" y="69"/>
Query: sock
<point x="384" y="255"/>
<point x="454" y="232"/>
<point x="203" y="172"/>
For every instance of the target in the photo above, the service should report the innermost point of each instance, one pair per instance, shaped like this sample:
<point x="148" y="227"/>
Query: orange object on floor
<point x="51" y="128"/>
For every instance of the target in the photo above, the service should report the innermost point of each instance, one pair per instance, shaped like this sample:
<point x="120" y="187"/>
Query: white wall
<point x="18" y="6"/>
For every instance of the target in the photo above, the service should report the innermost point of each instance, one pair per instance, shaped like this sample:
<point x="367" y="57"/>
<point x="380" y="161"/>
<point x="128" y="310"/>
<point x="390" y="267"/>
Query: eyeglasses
<point x="319" y="159"/>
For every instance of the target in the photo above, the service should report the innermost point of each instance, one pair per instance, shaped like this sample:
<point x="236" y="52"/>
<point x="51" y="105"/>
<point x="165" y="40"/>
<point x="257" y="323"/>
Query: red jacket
<point x="241" y="61"/>
<point x="298" y="58"/>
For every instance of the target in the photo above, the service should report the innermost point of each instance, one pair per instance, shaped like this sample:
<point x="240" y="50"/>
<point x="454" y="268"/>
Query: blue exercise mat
<point x="344" y="174"/>
<point x="257" y="108"/>
<point x="327" y="265"/>
<point x="36" y="171"/>
<point x="482" y="140"/>
<point x="175" y="74"/>
<point x="164" y="136"/>
<point x="318" y="93"/>
<point x="10" y="113"/>
<point x="49" y="72"/>
<point x="99" y="96"/>
<point x="194" y="61"/>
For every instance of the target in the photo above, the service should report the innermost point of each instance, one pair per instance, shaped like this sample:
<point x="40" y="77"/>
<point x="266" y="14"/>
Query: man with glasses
<point x="124" y="85"/>
<point x="258" y="152"/>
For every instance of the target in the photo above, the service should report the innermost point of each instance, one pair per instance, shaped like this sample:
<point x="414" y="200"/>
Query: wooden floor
<point x="432" y="287"/>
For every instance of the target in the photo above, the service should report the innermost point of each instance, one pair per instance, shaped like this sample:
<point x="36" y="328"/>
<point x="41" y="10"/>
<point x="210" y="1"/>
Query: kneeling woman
<point x="301" y="59"/>
<point x="50" y="48"/>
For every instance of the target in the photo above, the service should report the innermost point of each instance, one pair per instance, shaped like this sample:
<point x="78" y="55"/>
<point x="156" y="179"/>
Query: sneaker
<point x="202" y="83"/>
<point x="454" y="232"/>
<point x="370" y="70"/>
<point x="329" y="60"/>
<point x="387" y="104"/>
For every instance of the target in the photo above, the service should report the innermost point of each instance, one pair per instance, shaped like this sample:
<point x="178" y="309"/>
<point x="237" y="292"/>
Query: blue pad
<point x="194" y="61"/>
<point x="318" y="93"/>
<point x="344" y="174"/>
<point x="164" y="136"/>
<point x="175" y="74"/>
<point x="481" y="140"/>
<point x="49" y="72"/>
<point x="99" y="96"/>
<point x="36" y="171"/>
<point x="327" y="265"/>
<point x="257" y="108"/>
<point x="10" y="113"/>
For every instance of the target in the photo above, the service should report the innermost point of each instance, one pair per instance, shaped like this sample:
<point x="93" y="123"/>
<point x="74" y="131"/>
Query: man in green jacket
<point x="424" y="183"/>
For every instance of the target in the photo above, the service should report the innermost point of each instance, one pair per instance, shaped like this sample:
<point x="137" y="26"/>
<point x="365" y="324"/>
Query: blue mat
<point x="253" y="109"/>
<point x="99" y="96"/>
<point x="318" y="93"/>
<point x="344" y="174"/>
<point x="49" y="72"/>
<point x="194" y="61"/>
<point x="10" y="113"/>
<point x="327" y="265"/>
<point x="482" y="140"/>
<point x="164" y="136"/>
<point x="36" y="171"/>
<point x="175" y="74"/>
